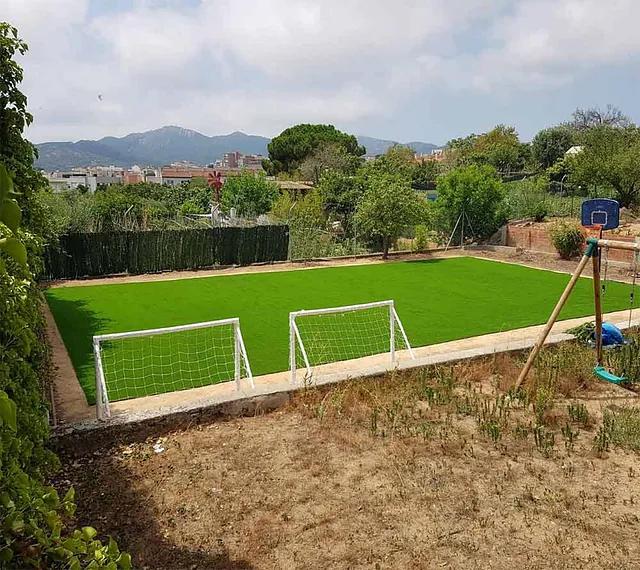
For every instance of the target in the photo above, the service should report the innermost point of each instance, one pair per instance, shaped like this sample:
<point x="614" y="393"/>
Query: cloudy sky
<point x="407" y="70"/>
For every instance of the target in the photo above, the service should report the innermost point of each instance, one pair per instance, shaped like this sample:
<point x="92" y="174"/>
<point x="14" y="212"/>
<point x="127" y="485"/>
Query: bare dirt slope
<point x="394" y="472"/>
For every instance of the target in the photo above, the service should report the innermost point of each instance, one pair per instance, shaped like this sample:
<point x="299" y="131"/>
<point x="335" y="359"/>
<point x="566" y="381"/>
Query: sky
<point x="406" y="70"/>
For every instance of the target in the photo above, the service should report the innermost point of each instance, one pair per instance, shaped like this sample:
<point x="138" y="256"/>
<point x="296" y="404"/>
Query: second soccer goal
<point x="323" y="336"/>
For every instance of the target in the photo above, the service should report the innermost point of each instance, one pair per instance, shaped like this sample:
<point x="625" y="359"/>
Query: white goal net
<point x="149" y="362"/>
<point x="323" y="336"/>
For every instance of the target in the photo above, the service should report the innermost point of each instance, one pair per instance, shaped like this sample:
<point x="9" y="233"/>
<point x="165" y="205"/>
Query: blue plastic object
<point x="601" y="372"/>
<point x="611" y="335"/>
<point x="601" y="212"/>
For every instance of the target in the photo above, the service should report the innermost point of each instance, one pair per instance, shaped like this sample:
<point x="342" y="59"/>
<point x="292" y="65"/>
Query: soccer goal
<point x="149" y="362"/>
<point x="322" y="336"/>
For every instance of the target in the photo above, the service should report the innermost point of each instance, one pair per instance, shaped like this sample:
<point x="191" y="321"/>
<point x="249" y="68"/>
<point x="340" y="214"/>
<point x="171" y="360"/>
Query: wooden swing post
<point x="593" y="248"/>
<point x="597" y="301"/>
<point x="555" y="314"/>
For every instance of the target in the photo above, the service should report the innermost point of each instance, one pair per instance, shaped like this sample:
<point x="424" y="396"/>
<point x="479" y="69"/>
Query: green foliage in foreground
<point x="437" y="301"/>
<point x="33" y="532"/>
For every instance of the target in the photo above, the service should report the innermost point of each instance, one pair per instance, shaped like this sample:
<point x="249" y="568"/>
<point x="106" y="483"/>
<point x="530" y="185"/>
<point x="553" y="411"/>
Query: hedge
<point x="96" y="254"/>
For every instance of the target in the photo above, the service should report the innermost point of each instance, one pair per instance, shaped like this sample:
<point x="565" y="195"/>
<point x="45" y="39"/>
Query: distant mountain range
<point x="380" y="146"/>
<point x="171" y="144"/>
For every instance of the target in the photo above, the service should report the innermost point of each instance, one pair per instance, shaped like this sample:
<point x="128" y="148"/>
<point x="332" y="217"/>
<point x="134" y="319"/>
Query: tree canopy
<point x="550" y="145"/>
<point x="250" y="194"/>
<point x="478" y="192"/>
<point x="288" y="150"/>
<point x="387" y="207"/>
<point x="610" y="158"/>
<point x="499" y="147"/>
<point x="328" y="157"/>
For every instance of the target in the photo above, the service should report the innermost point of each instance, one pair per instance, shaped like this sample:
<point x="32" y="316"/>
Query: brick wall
<point x="537" y="239"/>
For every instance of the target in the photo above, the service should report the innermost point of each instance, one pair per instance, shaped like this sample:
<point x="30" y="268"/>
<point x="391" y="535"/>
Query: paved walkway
<point x="198" y="398"/>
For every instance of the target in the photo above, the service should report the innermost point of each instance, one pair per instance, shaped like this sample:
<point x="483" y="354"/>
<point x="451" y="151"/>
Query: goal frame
<point x="296" y="340"/>
<point x="103" y="408"/>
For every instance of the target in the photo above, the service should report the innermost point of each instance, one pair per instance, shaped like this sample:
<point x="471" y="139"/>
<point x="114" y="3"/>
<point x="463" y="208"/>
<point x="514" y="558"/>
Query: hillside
<point x="172" y="144"/>
<point x="380" y="146"/>
<point x="160" y="146"/>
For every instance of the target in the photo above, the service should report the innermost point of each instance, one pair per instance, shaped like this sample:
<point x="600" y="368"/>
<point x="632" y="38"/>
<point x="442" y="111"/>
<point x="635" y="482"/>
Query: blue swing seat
<point x="603" y="373"/>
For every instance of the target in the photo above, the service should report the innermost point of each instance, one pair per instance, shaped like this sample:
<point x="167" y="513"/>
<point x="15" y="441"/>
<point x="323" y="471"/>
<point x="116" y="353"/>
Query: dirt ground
<point x="421" y="470"/>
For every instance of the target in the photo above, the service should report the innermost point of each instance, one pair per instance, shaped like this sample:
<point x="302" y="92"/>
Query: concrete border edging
<point x="142" y="424"/>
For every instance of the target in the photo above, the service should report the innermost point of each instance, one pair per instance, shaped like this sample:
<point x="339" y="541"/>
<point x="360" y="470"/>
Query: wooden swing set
<point x="593" y="251"/>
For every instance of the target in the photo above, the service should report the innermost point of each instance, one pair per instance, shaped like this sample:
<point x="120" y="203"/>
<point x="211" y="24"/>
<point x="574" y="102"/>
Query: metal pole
<point x="453" y="233"/>
<point x="292" y="350"/>
<point x="462" y="230"/>
<point x="236" y="339"/>
<point x="392" y="329"/>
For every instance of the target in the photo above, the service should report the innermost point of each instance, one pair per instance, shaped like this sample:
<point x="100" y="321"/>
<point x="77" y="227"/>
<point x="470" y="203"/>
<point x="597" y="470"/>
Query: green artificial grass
<point x="437" y="301"/>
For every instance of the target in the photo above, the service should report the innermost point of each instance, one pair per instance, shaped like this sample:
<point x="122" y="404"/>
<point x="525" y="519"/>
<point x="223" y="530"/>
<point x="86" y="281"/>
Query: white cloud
<point x="261" y="65"/>
<point x="46" y="25"/>
<point x="151" y="41"/>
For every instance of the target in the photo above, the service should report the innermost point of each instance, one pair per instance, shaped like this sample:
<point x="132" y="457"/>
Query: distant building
<point x="574" y="150"/>
<point x="232" y="160"/>
<point x="252" y="161"/>
<point x="153" y="175"/>
<point x="175" y="176"/>
<point x="60" y="181"/>
<point x="237" y="160"/>
<point x="294" y="187"/>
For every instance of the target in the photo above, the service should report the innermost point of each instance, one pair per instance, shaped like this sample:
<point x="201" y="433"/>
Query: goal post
<point x="323" y="336"/>
<point x="156" y="361"/>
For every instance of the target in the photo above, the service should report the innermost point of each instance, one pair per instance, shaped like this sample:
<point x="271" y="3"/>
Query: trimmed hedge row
<point x="96" y="254"/>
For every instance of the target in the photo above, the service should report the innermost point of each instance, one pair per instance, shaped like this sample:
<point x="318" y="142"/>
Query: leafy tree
<point x="340" y="194"/>
<point x="388" y="206"/>
<point x="250" y="194"/>
<point x="401" y="161"/>
<point x="288" y="150"/>
<point x="478" y="192"/>
<point x="327" y="157"/>
<point x="610" y="158"/>
<point x="397" y="161"/>
<point x="16" y="152"/>
<point x="500" y="148"/>
<point x="425" y="173"/>
<point x="549" y="145"/>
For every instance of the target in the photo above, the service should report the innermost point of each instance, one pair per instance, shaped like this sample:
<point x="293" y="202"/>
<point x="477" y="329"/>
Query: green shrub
<point x="566" y="238"/>
<point x="538" y="211"/>
<point x="421" y="237"/>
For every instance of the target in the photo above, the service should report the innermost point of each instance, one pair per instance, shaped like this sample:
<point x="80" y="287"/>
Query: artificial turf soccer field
<point x="436" y="300"/>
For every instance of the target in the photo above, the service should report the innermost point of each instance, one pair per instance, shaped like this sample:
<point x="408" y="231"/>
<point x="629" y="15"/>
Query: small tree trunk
<point x="385" y="247"/>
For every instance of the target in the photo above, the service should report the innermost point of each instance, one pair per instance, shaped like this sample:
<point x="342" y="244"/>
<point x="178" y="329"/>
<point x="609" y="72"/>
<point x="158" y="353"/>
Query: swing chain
<point x="606" y="269"/>
<point x="633" y="285"/>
